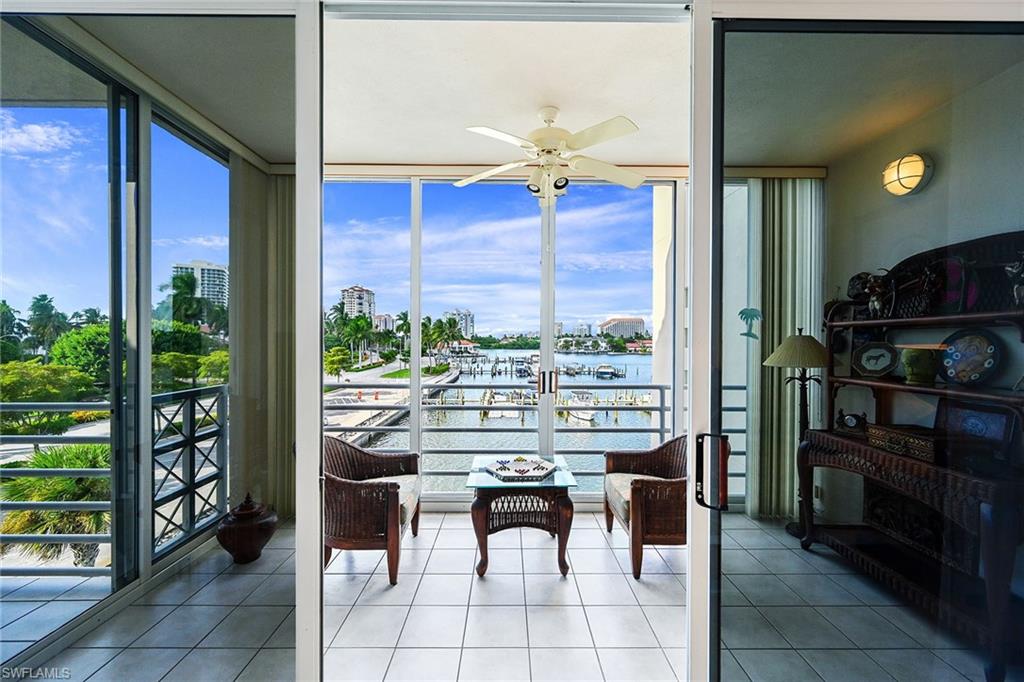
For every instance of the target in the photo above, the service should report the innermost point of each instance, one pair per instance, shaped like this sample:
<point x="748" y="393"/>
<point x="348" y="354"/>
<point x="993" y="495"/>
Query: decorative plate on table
<point x="521" y="469"/>
<point x="971" y="357"/>
<point x="875" y="359"/>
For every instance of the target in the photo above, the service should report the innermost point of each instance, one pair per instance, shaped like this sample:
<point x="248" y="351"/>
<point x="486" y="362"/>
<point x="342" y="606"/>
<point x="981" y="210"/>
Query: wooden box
<point x="902" y="439"/>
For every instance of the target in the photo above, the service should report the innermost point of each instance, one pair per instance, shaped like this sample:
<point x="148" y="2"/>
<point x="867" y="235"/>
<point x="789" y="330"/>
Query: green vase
<point x="920" y="366"/>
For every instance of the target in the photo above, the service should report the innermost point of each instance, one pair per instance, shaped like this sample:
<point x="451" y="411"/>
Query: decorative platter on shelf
<point x="521" y="469"/>
<point x="971" y="357"/>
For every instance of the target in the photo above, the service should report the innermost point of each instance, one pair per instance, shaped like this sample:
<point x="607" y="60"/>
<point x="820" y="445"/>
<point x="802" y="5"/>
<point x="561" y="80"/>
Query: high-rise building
<point x="583" y="329"/>
<point x="466" y="321"/>
<point x="559" y="328"/>
<point x="212" y="281"/>
<point x="358" y="301"/>
<point x="384" y="323"/>
<point x="623" y="327"/>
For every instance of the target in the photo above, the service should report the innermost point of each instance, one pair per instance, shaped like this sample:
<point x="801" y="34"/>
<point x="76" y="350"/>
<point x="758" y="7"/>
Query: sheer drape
<point x="791" y="281"/>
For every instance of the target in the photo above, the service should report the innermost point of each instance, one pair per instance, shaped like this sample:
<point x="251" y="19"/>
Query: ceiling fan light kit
<point x="552" y="149"/>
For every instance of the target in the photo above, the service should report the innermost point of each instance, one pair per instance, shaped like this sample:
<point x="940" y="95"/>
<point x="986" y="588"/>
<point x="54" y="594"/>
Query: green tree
<point x="31" y="381"/>
<point x="216" y="316"/>
<point x="9" y="351"/>
<point x="216" y="366"/>
<point x="86" y="349"/>
<point x="88" y="316"/>
<point x="388" y="356"/>
<point x="403" y="327"/>
<point x="176" y="337"/>
<point x="357" y="334"/>
<point x="336" y="360"/>
<point x="186" y="307"/>
<point x="58" y="489"/>
<point x="45" y="323"/>
<point x="11" y="326"/>
<point x="172" y="369"/>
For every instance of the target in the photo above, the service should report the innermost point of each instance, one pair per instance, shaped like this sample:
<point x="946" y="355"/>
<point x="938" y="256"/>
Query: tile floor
<point x="523" y="621"/>
<point x="34" y="607"/>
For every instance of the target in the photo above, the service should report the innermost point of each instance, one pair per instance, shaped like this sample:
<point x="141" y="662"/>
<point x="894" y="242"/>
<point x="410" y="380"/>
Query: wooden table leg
<point x="564" y="506"/>
<point x="998" y="545"/>
<point x="479" y="511"/>
<point x="805" y="473"/>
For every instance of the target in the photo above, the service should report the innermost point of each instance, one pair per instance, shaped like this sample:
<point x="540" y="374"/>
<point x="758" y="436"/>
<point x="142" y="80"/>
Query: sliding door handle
<point x="722" y="471"/>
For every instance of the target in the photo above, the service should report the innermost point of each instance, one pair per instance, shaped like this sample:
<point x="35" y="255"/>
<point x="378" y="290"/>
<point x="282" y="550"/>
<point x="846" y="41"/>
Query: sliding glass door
<point x="878" y="337"/>
<point x="69" y="500"/>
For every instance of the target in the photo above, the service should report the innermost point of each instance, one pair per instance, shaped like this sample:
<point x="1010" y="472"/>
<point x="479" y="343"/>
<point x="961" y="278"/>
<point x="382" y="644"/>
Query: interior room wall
<point x="976" y="141"/>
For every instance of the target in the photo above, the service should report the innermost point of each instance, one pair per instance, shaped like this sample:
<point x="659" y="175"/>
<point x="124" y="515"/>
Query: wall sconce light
<point x="907" y="174"/>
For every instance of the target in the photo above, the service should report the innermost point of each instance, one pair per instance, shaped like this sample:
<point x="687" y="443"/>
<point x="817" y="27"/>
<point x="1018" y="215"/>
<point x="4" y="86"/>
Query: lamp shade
<point x="799" y="350"/>
<point x="907" y="174"/>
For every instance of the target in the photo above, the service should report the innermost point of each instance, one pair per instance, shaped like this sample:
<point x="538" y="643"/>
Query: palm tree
<point x="403" y="327"/>
<point x="11" y="326"/>
<point x="426" y="336"/>
<point x="217" y="317"/>
<point x="45" y="322"/>
<point x="59" y="489"/>
<point x="185" y="305"/>
<point x="88" y="316"/>
<point x="358" y="333"/>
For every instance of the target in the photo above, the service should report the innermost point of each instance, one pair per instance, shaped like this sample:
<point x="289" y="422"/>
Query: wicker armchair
<point x="646" y="491"/>
<point x="369" y="500"/>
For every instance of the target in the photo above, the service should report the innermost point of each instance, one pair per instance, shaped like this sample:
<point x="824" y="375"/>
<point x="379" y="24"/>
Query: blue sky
<point x="481" y="244"/>
<point x="53" y="178"/>
<point x="481" y="250"/>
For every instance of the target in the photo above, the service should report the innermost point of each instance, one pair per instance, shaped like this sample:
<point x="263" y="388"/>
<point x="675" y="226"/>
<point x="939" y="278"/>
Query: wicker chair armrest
<point x="357" y="510"/>
<point x="659" y="505"/>
<point x="354" y="463"/>
<point x="379" y="464"/>
<point x="646" y="462"/>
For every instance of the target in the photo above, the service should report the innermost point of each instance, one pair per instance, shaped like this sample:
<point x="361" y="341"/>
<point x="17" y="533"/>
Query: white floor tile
<point x="410" y="561"/>
<point x="341" y="590"/>
<point x="433" y="626"/>
<point x="357" y="665"/>
<point x="380" y="592"/>
<point x="277" y="590"/>
<point x="565" y="665"/>
<point x="774" y="665"/>
<point x="594" y="561"/>
<point x="652" y="562"/>
<point x="177" y="589"/>
<point x="620" y="626"/>
<point x="497" y="590"/>
<point x="444" y="590"/>
<point x="558" y="626"/>
<point x="139" y="665"/>
<point x="658" y="590"/>
<point x="270" y="560"/>
<point x="460" y="561"/>
<point x="270" y="665"/>
<point x="184" y="627"/>
<point x="669" y="624"/>
<point x="246" y="626"/>
<point x="81" y="663"/>
<point x="456" y="538"/>
<point x="371" y="626"/>
<point x="229" y="589"/>
<point x="610" y="589"/>
<point x="355" y="561"/>
<point x="543" y="561"/>
<point x="552" y="590"/>
<point x="626" y="665"/>
<point x="424" y="665"/>
<point x="496" y="626"/>
<point x="504" y="561"/>
<point x="914" y="665"/>
<point x="486" y="665"/>
<point x="211" y="665"/>
<point x="122" y="629"/>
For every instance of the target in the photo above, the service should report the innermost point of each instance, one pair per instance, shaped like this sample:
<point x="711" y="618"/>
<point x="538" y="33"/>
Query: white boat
<point x="605" y="372"/>
<point x="577" y="407"/>
<point x="497" y="400"/>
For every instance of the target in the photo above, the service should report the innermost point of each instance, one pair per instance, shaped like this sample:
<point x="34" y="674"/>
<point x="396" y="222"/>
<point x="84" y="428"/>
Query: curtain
<point x="261" y="422"/>
<point x="281" y="345"/>
<point x="791" y="288"/>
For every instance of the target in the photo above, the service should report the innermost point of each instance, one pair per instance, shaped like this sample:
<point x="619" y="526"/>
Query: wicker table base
<point x="496" y="509"/>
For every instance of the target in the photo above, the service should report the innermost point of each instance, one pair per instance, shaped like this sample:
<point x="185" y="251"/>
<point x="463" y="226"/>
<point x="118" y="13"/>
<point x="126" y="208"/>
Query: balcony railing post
<point x="188" y="464"/>
<point x="222" y="449"/>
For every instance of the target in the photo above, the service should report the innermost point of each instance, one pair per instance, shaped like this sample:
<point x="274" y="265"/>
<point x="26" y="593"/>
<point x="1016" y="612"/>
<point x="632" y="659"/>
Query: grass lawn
<point x="424" y="371"/>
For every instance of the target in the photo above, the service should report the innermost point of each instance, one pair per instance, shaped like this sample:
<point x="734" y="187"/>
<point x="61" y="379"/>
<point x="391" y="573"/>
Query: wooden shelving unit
<point x="989" y="508"/>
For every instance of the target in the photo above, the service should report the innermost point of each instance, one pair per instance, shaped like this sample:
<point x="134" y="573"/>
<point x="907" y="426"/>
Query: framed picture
<point x="875" y="359"/>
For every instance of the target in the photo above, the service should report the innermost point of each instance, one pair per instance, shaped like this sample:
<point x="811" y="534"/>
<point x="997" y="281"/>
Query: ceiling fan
<point x="552" y="148"/>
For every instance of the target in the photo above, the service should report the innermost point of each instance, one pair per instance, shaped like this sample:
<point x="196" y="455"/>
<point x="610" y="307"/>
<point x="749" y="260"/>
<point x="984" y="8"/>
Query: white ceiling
<point x="807" y="99"/>
<point x="237" y="71"/>
<point x="404" y="92"/>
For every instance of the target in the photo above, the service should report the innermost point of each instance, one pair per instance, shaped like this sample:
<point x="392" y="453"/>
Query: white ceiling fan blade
<point x="606" y="171"/>
<point x="602" y="132"/>
<point x="492" y="171"/>
<point x="521" y="142"/>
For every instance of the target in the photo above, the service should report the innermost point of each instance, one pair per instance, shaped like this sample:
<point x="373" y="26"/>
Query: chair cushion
<point x="617" y="491"/>
<point x="409" y="487"/>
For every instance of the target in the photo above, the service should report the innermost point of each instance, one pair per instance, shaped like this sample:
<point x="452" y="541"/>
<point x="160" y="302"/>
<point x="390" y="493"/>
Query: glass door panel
<point x="481" y="327"/>
<point x="871" y="353"/>
<point x="612" y="330"/>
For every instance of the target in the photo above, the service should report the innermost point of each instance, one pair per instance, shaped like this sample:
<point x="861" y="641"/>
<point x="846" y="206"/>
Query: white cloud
<point x="36" y="138"/>
<point x="208" y="241"/>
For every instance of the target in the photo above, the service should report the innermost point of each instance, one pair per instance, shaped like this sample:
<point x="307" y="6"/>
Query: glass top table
<point x="479" y="477"/>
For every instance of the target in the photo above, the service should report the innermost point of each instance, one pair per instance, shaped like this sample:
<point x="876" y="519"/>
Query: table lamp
<point x="802" y="352"/>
